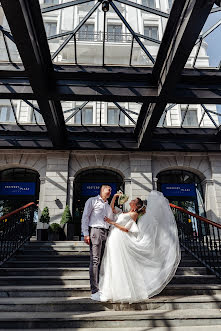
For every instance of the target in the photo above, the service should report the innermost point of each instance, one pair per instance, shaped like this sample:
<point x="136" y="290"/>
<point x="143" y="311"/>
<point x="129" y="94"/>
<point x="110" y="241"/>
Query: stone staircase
<point x="46" y="286"/>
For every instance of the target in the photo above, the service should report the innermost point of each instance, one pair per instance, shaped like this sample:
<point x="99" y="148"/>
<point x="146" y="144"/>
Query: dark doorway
<point x="18" y="186"/>
<point x="86" y="185"/>
<point x="182" y="188"/>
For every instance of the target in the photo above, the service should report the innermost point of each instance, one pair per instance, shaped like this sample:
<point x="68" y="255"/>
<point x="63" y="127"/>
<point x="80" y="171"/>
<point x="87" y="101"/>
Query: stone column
<point x="210" y="200"/>
<point x="41" y="203"/>
<point x="155" y="179"/>
<point x="70" y="193"/>
<point x="128" y="191"/>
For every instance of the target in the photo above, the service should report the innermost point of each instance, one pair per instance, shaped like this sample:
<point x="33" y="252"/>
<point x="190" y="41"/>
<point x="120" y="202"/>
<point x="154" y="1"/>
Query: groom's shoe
<point x="95" y="296"/>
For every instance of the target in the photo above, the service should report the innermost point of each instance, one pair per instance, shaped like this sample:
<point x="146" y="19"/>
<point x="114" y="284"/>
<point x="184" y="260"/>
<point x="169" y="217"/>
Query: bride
<point x="142" y="253"/>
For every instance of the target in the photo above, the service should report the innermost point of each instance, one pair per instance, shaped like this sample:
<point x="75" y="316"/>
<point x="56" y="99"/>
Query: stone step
<point x="75" y="262"/>
<point x="55" y="243"/>
<point x="61" y="304"/>
<point x="163" y="328"/>
<point x="42" y="264"/>
<point x="52" y="250"/>
<point x="84" y="290"/>
<point x="80" y="280"/>
<point x="103" y="319"/>
<point x="74" y="255"/>
<point x="81" y="271"/>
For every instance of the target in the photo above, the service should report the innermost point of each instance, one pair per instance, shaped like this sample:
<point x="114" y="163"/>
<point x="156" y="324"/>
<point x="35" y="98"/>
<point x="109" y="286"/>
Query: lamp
<point x="105" y="6"/>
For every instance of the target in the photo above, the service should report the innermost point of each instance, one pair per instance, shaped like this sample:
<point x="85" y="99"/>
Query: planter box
<point x="42" y="226"/>
<point x="42" y="231"/>
<point x="42" y="235"/>
<point x="53" y="236"/>
<point x="69" y="231"/>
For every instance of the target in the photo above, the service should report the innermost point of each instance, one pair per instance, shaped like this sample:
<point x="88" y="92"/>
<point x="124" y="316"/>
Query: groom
<point x="95" y="231"/>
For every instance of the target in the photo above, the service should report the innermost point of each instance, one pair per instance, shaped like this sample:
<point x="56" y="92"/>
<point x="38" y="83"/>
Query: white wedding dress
<point x="138" y="264"/>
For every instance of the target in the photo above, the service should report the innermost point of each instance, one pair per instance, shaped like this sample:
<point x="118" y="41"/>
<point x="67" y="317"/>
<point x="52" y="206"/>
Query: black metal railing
<point x="15" y="228"/>
<point x="99" y="36"/>
<point x="200" y="237"/>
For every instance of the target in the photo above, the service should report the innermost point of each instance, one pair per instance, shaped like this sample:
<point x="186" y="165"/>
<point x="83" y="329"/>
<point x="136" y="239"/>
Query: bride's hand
<point x="118" y="194"/>
<point x="108" y="220"/>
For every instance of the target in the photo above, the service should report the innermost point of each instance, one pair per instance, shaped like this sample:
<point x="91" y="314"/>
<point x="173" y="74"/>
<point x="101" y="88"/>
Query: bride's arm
<point x="120" y="227"/>
<point x="113" y="200"/>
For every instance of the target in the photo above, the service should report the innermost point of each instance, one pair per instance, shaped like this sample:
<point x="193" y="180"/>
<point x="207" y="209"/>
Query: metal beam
<point x="26" y="24"/>
<point x="64" y="5"/>
<point x="183" y="28"/>
<point x="193" y="90"/>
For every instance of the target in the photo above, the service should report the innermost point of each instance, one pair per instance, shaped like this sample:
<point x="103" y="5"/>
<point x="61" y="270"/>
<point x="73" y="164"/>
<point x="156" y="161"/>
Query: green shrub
<point x="66" y="217"/>
<point x="54" y="227"/>
<point x="45" y="217"/>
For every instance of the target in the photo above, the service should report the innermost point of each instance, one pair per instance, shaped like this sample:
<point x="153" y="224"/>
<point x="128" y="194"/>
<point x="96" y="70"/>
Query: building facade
<point x="70" y="177"/>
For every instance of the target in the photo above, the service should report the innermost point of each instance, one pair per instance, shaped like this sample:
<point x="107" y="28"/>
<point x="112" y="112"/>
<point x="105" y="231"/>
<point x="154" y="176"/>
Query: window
<point x="86" y="32"/>
<point x="37" y="115"/>
<point x="113" y="116"/>
<point x="50" y="28"/>
<point x="87" y="116"/>
<point x="151" y="31"/>
<point x="51" y="2"/>
<point x="6" y="114"/>
<point x="149" y="3"/>
<point x="170" y="2"/>
<point x="114" y="32"/>
<point x="191" y="117"/>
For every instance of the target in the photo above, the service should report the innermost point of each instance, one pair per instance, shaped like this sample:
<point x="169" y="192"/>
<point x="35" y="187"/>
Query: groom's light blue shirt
<point x="94" y="212"/>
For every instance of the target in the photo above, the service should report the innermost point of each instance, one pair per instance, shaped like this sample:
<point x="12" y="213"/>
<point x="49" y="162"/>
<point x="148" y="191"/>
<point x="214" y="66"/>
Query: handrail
<point x="200" y="237"/>
<point x="196" y="216"/>
<point x="16" y="228"/>
<point x="16" y="211"/>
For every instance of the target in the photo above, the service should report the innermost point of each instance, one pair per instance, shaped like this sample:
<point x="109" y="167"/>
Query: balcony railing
<point x="99" y="36"/>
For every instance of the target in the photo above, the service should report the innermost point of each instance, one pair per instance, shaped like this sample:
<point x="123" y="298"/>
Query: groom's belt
<point x="95" y="227"/>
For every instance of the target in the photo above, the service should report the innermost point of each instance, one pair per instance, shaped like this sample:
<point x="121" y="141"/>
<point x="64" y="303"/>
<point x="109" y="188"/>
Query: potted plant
<point x="43" y="224"/>
<point x="67" y="224"/>
<point x="54" y="232"/>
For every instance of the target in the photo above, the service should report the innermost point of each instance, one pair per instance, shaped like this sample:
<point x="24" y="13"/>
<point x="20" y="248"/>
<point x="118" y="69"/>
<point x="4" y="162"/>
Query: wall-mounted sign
<point x="17" y="188"/>
<point x="93" y="189"/>
<point x="178" y="190"/>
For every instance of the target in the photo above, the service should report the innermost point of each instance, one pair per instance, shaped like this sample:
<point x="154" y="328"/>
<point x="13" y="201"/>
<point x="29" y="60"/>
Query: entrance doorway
<point x="18" y="187"/>
<point x="182" y="188"/>
<point x="87" y="184"/>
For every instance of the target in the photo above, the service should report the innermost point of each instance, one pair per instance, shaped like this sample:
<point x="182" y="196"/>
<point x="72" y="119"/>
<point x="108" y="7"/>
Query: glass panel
<point x="151" y="31"/>
<point x="114" y="32"/>
<point x="50" y="28"/>
<point x="37" y="115"/>
<point x="88" y="116"/>
<point x="149" y="3"/>
<point x="113" y="116"/>
<point x="51" y="2"/>
<point x="190" y="118"/>
<point x="86" y="32"/>
<point x="170" y="3"/>
<point x="6" y="114"/>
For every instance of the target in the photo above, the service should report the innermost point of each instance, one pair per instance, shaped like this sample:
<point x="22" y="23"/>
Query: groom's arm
<point x="85" y="220"/>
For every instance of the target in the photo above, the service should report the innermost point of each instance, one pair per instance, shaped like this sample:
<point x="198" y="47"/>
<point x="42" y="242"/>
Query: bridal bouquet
<point x="122" y="198"/>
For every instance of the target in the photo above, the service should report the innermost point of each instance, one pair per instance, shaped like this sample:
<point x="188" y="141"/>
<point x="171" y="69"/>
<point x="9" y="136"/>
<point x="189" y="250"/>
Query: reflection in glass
<point x="87" y="116"/>
<point x="113" y="116"/>
<point x="151" y="31"/>
<point x="6" y="114"/>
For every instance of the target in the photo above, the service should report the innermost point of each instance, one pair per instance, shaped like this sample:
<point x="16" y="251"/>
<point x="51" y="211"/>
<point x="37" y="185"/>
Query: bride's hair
<point x="141" y="208"/>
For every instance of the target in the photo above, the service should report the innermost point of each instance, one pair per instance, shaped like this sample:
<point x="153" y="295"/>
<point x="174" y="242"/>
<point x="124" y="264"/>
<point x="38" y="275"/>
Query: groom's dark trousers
<point x="98" y="237"/>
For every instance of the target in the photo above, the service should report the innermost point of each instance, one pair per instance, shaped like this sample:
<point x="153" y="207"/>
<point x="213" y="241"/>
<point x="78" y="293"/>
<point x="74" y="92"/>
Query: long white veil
<point x="157" y="245"/>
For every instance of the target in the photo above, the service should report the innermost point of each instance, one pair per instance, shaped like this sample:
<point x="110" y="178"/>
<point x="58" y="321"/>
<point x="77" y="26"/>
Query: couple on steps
<point x="133" y="255"/>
